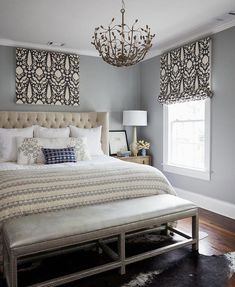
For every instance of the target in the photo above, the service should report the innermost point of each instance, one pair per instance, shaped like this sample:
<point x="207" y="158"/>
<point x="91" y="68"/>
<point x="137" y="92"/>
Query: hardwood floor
<point x="221" y="234"/>
<point x="220" y="230"/>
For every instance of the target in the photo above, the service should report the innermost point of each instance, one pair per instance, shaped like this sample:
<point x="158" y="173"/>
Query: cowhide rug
<point x="179" y="268"/>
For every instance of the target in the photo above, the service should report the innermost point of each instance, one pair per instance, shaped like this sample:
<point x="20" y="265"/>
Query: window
<point x="186" y="140"/>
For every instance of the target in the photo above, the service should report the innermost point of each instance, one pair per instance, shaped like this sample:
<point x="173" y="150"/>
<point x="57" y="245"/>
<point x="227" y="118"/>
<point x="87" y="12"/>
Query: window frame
<point x="196" y="173"/>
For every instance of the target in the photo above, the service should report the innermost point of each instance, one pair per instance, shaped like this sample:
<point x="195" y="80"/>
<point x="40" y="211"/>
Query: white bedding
<point x="95" y="160"/>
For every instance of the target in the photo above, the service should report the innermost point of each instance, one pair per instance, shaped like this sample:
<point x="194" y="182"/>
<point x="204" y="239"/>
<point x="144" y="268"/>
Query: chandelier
<point x="121" y="45"/>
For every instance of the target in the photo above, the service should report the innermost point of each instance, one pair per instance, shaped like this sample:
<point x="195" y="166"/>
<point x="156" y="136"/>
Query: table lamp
<point x="134" y="118"/>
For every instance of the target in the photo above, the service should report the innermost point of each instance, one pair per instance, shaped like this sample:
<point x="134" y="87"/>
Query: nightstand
<point x="137" y="159"/>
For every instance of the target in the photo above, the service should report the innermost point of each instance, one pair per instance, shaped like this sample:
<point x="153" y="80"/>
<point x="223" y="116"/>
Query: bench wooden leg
<point x="195" y="231"/>
<point x="122" y="252"/>
<point x="165" y="231"/>
<point x="98" y="249"/>
<point x="5" y="262"/>
<point x="13" y="271"/>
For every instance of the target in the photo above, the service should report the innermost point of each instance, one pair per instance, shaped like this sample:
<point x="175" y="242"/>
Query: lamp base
<point x="134" y="150"/>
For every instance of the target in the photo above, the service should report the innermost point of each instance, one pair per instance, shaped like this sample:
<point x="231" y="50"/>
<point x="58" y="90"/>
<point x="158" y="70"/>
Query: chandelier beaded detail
<point x="120" y="45"/>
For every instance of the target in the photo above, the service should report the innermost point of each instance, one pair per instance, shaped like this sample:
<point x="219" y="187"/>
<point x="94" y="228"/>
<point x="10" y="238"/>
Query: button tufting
<point x="51" y="119"/>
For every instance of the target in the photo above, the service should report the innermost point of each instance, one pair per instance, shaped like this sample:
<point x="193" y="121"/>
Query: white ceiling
<point x="32" y="23"/>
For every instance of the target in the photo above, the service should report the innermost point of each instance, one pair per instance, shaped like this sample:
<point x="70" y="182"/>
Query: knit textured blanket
<point x="24" y="192"/>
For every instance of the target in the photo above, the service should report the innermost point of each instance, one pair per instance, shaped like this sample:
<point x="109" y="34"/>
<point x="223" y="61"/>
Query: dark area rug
<point x="179" y="268"/>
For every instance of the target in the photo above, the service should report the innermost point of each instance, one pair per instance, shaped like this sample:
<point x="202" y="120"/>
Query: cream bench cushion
<point x="51" y="226"/>
<point x="49" y="232"/>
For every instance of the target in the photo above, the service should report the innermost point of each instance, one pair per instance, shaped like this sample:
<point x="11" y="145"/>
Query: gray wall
<point x="222" y="184"/>
<point x="102" y="88"/>
<point x="106" y="88"/>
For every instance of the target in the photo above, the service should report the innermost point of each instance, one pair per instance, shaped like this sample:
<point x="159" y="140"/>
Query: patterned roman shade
<point x="185" y="73"/>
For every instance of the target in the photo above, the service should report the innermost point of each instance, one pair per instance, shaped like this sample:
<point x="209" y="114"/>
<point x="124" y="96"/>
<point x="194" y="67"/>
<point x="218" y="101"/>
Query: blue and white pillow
<point x="60" y="155"/>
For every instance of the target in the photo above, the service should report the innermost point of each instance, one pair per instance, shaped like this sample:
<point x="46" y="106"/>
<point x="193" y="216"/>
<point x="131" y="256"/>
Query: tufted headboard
<point x="58" y="120"/>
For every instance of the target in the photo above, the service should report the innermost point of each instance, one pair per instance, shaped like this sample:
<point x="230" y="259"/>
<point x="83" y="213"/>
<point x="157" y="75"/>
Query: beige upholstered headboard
<point x="58" y="120"/>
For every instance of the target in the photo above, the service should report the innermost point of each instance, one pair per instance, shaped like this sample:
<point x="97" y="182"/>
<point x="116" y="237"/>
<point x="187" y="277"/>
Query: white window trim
<point x="196" y="173"/>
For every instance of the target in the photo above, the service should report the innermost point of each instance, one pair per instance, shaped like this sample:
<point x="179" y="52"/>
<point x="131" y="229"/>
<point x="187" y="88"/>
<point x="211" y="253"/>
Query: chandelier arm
<point x="117" y="30"/>
<point x="123" y="12"/>
<point x="131" y="32"/>
<point x="115" y="50"/>
<point x="116" y="27"/>
<point x="131" y="42"/>
<point x="111" y="38"/>
<point x="127" y="26"/>
<point x="96" y="42"/>
<point x="143" y="55"/>
<point x="105" y="29"/>
<point x="138" y="30"/>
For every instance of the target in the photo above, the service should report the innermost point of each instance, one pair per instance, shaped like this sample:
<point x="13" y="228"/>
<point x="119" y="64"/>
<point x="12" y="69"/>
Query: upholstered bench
<point x="36" y="234"/>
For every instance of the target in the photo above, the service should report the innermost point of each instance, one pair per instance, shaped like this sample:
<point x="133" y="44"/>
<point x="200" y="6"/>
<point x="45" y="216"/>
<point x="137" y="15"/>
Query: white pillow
<point x="93" y="136"/>
<point x="8" y="149"/>
<point x="41" y="132"/>
<point x="30" y="149"/>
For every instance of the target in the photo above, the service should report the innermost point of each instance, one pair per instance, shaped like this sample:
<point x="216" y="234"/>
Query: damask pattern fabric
<point x="24" y="192"/>
<point x="185" y="73"/>
<point x="30" y="149"/>
<point x="44" y="77"/>
<point x="53" y="156"/>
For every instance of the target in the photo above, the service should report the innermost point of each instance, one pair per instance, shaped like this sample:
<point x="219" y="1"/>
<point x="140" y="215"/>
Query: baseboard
<point x="214" y="205"/>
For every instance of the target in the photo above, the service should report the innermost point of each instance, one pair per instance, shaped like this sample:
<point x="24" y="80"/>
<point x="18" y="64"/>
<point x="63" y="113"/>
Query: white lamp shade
<point x="134" y="118"/>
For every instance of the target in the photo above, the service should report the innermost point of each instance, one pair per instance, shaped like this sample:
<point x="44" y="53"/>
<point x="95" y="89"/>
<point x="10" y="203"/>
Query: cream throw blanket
<point x="24" y="192"/>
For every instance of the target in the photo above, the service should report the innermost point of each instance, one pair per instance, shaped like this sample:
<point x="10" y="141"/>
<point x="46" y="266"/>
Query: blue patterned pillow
<point x="59" y="155"/>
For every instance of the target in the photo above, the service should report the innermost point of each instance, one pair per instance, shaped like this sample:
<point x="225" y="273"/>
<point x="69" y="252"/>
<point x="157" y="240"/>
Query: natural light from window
<point x="186" y="134"/>
<point x="186" y="138"/>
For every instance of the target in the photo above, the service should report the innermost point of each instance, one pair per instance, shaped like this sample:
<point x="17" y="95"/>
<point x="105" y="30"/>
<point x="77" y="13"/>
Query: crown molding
<point x="11" y="43"/>
<point x="193" y="37"/>
<point x="152" y="53"/>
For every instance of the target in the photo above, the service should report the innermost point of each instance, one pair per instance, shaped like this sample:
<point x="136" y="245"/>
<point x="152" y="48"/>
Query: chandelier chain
<point x="123" y="5"/>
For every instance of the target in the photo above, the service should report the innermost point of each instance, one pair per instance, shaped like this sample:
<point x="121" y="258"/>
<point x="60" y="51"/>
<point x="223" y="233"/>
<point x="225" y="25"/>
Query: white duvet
<point x="96" y="160"/>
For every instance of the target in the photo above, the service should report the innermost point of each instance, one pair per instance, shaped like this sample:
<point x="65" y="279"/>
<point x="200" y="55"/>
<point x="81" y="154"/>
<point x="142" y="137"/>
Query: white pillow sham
<point x="41" y="132"/>
<point x="8" y="148"/>
<point x="93" y="136"/>
<point x="30" y="149"/>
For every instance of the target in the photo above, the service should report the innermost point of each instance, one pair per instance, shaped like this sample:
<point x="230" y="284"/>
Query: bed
<point x="99" y="180"/>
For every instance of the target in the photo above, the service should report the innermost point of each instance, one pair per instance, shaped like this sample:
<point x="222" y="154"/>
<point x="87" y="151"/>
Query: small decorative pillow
<point x="8" y="148"/>
<point x="60" y="155"/>
<point x="41" y="132"/>
<point x="30" y="149"/>
<point x="93" y="136"/>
